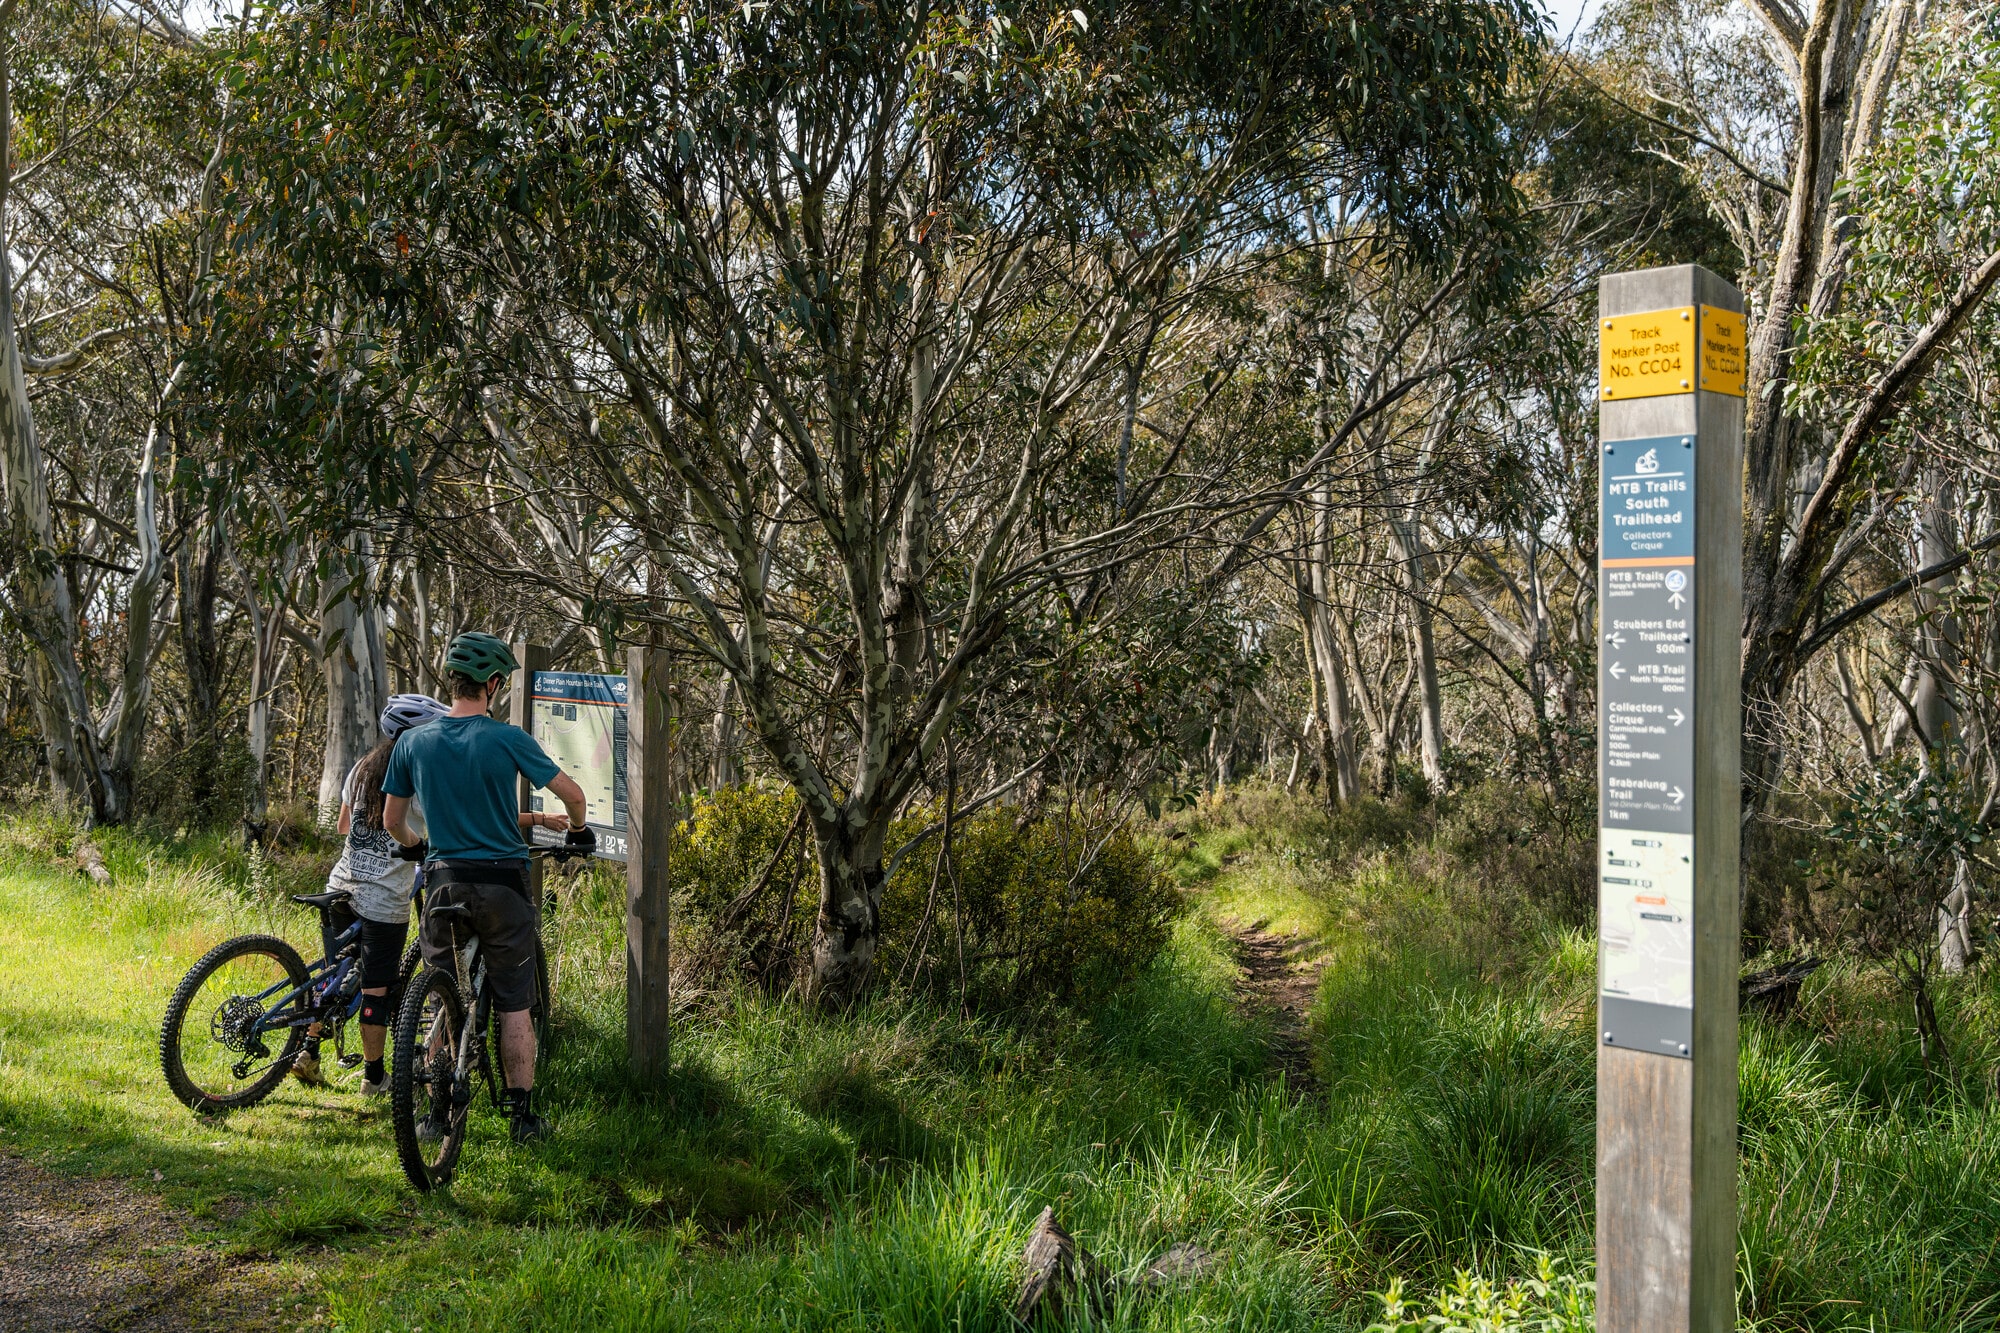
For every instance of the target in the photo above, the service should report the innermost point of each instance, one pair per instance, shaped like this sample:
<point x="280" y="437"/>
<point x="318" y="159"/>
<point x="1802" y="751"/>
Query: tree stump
<point x="91" y="862"/>
<point x="1054" y="1266"/>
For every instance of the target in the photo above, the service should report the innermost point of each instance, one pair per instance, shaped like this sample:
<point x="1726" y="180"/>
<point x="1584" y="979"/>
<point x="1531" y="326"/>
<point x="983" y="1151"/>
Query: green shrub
<point x="1051" y="908"/>
<point x="727" y="842"/>
<point x="1552" y="1301"/>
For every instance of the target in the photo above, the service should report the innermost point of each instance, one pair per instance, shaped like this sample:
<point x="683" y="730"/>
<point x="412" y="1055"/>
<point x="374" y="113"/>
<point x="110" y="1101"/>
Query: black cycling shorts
<point x="508" y="925"/>
<point x="382" y="952"/>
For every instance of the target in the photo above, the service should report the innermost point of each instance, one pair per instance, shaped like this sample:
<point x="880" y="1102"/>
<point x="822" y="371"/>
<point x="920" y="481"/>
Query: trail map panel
<point x="581" y="720"/>
<point x="1646" y="747"/>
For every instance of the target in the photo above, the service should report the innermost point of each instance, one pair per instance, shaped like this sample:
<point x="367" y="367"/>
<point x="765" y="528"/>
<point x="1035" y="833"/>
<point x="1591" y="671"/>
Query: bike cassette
<point x="234" y="1025"/>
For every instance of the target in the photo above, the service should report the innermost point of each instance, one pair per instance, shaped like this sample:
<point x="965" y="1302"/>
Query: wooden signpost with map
<point x="1671" y="369"/>
<point x="614" y="734"/>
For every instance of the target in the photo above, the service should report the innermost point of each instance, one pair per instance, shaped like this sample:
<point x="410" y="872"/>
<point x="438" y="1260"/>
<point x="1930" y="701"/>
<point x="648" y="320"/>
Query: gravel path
<point x="81" y="1254"/>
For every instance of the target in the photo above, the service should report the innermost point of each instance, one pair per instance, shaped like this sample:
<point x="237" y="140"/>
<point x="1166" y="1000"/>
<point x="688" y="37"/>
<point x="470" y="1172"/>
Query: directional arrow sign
<point x="1677" y="600"/>
<point x="1615" y="639"/>
<point x="1678" y="717"/>
<point x="1617" y="669"/>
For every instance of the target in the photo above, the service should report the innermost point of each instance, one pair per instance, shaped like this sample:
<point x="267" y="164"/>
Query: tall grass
<point x="881" y="1170"/>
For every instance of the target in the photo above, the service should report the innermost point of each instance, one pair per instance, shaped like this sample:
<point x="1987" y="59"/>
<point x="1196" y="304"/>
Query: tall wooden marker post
<point x="1669" y="593"/>
<point x="647" y="781"/>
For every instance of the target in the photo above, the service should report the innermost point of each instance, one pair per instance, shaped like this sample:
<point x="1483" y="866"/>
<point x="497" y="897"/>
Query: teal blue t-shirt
<point x="462" y="770"/>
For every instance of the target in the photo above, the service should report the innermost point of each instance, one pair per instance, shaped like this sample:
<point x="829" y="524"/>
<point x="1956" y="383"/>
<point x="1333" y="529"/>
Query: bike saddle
<point x="445" y="909"/>
<point x="327" y="899"/>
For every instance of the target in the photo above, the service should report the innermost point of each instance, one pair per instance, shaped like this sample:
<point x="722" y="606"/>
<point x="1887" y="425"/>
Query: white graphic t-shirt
<point x="368" y="867"/>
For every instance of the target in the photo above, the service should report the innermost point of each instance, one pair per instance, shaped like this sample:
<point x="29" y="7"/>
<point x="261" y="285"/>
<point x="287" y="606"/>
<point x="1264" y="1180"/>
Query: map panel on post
<point x="581" y="721"/>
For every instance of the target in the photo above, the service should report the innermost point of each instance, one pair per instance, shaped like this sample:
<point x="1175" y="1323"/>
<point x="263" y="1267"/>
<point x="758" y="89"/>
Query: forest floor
<point x="89" y="1254"/>
<point x="1366" y="1052"/>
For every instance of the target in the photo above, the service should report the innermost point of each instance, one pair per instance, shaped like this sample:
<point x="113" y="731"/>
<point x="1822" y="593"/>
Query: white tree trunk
<point x="136" y="688"/>
<point x="1955" y="920"/>
<point x="1413" y="566"/>
<point x="350" y="645"/>
<point x="1329" y="668"/>
<point x="39" y="590"/>
<point x="1939" y="635"/>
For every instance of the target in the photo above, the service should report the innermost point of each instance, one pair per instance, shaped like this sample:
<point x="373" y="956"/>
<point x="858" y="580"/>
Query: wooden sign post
<point x="533" y="657"/>
<point x="638" y="742"/>
<point x="1671" y="369"/>
<point x="649" y="800"/>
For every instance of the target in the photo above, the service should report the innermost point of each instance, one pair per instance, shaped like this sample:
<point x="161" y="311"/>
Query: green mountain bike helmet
<point x="480" y="657"/>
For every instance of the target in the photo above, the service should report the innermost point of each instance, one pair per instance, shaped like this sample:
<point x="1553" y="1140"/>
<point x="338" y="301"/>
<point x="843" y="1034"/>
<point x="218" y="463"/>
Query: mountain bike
<point x="442" y="1050"/>
<point x="239" y="1018"/>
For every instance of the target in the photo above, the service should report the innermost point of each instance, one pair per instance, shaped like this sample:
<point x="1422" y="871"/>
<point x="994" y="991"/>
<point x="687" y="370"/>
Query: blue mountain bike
<point x="240" y="1016"/>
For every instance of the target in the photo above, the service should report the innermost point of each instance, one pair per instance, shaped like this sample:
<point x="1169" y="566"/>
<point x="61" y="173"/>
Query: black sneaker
<point x="530" y="1128"/>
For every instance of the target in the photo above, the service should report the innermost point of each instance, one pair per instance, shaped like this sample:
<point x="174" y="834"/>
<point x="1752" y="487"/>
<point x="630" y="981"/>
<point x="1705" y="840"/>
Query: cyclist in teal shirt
<point x="462" y="768"/>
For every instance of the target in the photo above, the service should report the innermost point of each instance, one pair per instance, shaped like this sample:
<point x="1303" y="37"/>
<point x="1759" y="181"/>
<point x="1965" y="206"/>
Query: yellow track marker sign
<point x="1722" y="345"/>
<point x="1647" y="355"/>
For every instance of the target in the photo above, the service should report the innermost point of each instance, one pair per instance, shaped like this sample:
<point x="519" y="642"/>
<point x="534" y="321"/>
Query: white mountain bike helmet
<point x="404" y="711"/>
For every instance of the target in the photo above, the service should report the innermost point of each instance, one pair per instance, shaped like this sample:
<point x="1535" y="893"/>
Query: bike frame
<point x="472" y="974"/>
<point x="325" y="975"/>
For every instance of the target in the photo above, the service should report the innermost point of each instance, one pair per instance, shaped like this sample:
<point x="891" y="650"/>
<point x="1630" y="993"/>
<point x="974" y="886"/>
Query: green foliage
<point x="1056" y="907"/>
<point x="1925" y="207"/>
<point x="728" y="841"/>
<point x="1494" y="1136"/>
<point x="1897" y="842"/>
<point x="1552" y="1301"/>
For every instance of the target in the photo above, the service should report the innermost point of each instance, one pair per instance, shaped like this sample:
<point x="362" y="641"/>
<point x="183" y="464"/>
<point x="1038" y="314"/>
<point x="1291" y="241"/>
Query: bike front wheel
<point x="428" y="1107"/>
<point x="216" y="1039"/>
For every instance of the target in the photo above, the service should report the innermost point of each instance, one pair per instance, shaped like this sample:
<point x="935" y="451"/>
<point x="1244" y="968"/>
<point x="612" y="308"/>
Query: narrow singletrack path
<point x="80" y="1254"/>
<point x="1280" y="978"/>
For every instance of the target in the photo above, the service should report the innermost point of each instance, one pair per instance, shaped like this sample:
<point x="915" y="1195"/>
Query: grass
<point x="882" y="1171"/>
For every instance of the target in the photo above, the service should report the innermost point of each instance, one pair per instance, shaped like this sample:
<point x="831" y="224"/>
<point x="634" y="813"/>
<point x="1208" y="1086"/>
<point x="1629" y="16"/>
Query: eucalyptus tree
<point x="103" y="132"/>
<point x="825" y="296"/>
<point x="1801" y="107"/>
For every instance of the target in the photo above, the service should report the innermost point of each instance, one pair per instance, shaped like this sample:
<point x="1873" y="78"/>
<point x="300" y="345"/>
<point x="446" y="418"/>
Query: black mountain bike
<point x="239" y="1017"/>
<point x="442" y="1051"/>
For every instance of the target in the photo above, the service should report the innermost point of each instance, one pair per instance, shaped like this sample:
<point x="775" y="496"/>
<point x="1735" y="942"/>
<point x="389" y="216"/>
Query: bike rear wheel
<point x="413" y="958"/>
<point x="211" y="1051"/>
<point x="429" y="1027"/>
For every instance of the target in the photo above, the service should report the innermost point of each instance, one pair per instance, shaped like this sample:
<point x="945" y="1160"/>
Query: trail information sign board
<point x="1669" y="587"/>
<point x="581" y="720"/>
<point x="1646" y="871"/>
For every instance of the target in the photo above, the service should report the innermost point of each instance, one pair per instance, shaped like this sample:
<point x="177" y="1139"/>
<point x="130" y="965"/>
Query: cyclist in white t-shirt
<point x="381" y="882"/>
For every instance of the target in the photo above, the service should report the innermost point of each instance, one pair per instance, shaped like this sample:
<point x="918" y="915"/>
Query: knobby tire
<point x="172" y="1062"/>
<point x="410" y="1100"/>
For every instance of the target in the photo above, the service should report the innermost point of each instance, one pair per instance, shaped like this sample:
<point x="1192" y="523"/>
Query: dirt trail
<point x="1280" y="977"/>
<point x="100" y="1255"/>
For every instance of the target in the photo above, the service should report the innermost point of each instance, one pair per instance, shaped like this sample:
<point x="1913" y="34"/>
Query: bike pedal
<point x="352" y="1061"/>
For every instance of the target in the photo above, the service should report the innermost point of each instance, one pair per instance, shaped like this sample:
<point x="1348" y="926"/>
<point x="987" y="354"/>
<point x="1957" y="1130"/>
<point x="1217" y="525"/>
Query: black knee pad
<point x="375" y="1010"/>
